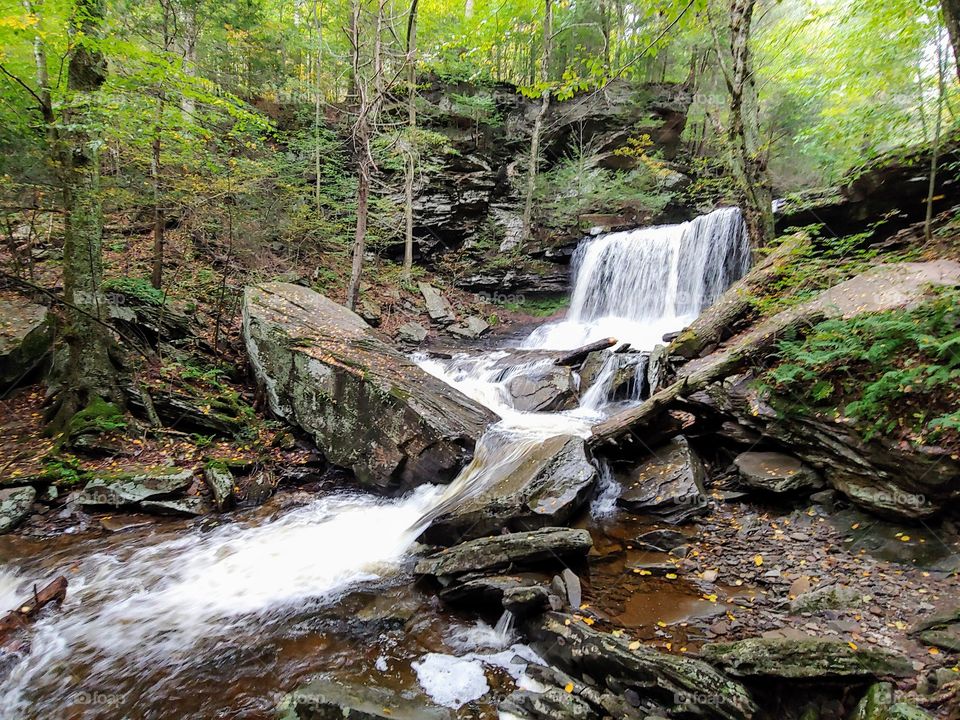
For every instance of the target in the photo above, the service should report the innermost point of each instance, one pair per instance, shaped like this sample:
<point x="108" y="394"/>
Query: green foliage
<point x="139" y="289"/>
<point x="538" y="307"/>
<point x="98" y="417"/>
<point x="895" y="370"/>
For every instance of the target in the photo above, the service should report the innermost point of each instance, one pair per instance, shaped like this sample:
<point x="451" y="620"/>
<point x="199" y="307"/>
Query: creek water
<point x="219" y="621"/>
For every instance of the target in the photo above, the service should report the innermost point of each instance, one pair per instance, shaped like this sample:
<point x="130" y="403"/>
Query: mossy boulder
<point x="368" y="407"/>
<point x="15" y="504"/>
<point x="813" y="658"/>
<point x="130" y="489"/>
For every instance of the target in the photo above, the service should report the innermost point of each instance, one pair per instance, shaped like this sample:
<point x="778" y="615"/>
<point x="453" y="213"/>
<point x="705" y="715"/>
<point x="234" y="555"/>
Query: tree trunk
<point x="527" y="230"/>
<point x="85" y="372"/>
<point x="411" y="142"/>
<point x="951" y="18"/>
<point x="156" y="277"/>
<point x="748" y="160"/>
<point x="190" y="35"/>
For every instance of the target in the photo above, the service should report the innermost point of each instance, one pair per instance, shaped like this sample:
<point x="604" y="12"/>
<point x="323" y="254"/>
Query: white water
<point x="134" y="620"/>
<point x="640" y="284"/>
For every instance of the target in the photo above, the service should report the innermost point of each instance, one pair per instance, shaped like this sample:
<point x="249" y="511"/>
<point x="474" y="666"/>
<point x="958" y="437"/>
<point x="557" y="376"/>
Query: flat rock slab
<point x="668" y="485"/>
<point x="332" y="698"/>
<point x="549" y="388"/>
<point x="25" y="336"/>
<point x="133" y="489"/>
<point x="785" y="658"/>
<point x="368" y="407"/>
<point x="547" y="546"/>
<point x="15" y="504"/>
<point x="185" y="507"/>
<point x="675" y="685"/>
<point x="438" y="307"/>
<point x="776" y="472"/>
<point x="545" y="486"/>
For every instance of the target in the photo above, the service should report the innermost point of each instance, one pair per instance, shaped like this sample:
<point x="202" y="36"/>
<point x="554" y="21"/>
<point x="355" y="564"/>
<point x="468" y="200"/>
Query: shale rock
<point x="129" y="490"/>
<point x="775" y="472"/>
<point x="545" y="546"/>
<point x="25" y="336"/>
<point x="546" y="485"/>
<point x="660" y="683"/>
<point x="669" y="484"/>
<point x="367" y="406"/>
<point x="15" y="504"/>
<point x="333" y="698"/>
<point x="548" y="389"/>
<point x="438" y="307"/>
<point x="784" y="658"/>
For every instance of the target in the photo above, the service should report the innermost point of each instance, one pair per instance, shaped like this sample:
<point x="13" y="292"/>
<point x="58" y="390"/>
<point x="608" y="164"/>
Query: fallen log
<point x="55" y="592"/>
<point x="575" y="357"/>
<point x="716" y="324"/>
<point x="885" y="287"/>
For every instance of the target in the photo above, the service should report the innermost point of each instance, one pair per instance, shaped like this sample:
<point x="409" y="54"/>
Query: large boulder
<point x="544" y="485"/>
<point x="332" y="698"/>
<point x="492" y="554"/>
<point x="669" y="484"/>
<point x="25" y="336"/>
<point x="131" y="489"/>
<point x="549" y="388"/>
<point x="369" y="407"/>
<point x="813" y="658"/>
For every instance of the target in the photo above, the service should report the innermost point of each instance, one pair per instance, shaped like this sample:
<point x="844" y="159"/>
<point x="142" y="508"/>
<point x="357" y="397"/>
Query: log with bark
<point x="720" y="320"/>
<point x="15" y="620"/>
<point x="575" y="357"/>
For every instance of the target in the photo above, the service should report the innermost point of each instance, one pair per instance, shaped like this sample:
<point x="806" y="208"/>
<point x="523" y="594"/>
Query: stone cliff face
<point x="469" y="195"/>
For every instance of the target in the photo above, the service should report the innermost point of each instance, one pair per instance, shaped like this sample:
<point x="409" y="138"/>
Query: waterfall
<point x="638" y="284"/>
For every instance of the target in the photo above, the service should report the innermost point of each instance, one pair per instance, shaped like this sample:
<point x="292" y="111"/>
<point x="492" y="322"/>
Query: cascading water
<point x="639" y="284"/>
<point x="140" y="619"/>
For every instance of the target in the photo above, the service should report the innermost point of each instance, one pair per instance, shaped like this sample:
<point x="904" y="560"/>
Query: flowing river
<point x="219" y="621"/>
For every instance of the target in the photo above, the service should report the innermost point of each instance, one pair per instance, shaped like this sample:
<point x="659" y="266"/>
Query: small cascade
<point x="504" y="628"/>
<point x="639" y="284"/>
<point x="608" y="491"/>
<point x="606" y="390"/>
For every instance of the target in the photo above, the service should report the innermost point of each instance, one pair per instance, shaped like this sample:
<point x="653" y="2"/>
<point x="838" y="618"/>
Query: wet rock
<point x="473" y="327"/>
<point x="412" y="332"/>
<point x="803" y="658"/>
<point x="15" y="504"/>
<point x="546" y="390"/>
<point x="907" y="711"/>
<point x="438" y="307"/>
<point x="187" y="507"/>
<point x="220" y="482"/>
<point x="835" y="597"/>
<point x="546" y="546"/>
<point x="775" y="472"/>
<point x="128" y="490"/>
<point x="661" y="683"/>
<point x="334" y="698"/>
<point x="663" y="540"/>
<point x="572" y="585"/>
<point x="485" y="590"/>
<point x="669" y="484"/>
<point x="545" y="486"/>
<point x="526" y="600"/>
<point x="25" y="339"/>
<point x="367" y="406"/>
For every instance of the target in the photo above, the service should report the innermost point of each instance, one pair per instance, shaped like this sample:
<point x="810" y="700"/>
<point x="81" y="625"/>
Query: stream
<point x="219" y="621"/>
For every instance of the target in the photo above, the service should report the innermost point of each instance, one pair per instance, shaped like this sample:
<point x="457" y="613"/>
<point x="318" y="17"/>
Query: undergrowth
<point x="892" y="372"/>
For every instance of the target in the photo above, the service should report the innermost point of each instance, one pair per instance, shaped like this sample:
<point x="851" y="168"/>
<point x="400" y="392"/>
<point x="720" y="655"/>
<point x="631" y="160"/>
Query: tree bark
<point x="748" y="159"/>
<point x="951" y="18"/>
<point x="85" y="371"/>
<point x="538" y="123"/>
<point x="411" y="165"/>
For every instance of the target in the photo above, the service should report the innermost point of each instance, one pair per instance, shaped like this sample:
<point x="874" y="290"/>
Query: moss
<point x="98" y="417"/>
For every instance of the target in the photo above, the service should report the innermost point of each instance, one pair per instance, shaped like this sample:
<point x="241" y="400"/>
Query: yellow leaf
<point x="758" y="560"/>
<point x="853" y="645"/>
<point x="634" y="645"/>
<point x="568" y="687"/>
<point x="934" y="651"/>
<point x="671" y="576"/>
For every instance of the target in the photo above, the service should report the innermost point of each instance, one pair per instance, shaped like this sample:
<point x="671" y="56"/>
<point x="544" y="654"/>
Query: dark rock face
<point x="368" y="407"/>
<point x="546" y="486"/>
<point x="888" y="478"/>
<point x="670" y="484"/>
<point x="549" y="390"/>
<point x="775" y="472"/>
<point x="490" y="554"/>
<point x="762" y="657"/>
<point x="658" y="683"/>
<point x="941" y="630"/>
<point x="25" y="339"/>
